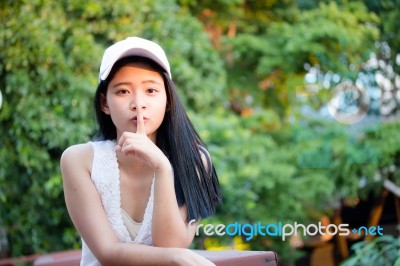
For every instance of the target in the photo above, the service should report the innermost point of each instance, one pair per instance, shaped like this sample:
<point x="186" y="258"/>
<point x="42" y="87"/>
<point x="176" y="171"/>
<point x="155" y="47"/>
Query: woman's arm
<point x="164" y="212"/>
<point x="170" y="226"/>
<point x="86" y="211"/>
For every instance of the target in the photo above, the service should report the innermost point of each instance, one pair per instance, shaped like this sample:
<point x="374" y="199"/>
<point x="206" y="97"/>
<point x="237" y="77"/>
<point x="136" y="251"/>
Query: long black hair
<point x="195" y="179"/>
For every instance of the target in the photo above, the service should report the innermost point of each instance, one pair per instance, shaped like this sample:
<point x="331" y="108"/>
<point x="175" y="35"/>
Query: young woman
<point x="132" y="191"/>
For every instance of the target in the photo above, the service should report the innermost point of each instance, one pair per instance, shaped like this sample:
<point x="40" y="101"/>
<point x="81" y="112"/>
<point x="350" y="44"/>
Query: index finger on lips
<point x="140" y="128"/>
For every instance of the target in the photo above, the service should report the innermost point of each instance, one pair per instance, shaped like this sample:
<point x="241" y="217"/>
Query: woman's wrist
<point x="164" y="167"/>
<point x="163" y="171"/>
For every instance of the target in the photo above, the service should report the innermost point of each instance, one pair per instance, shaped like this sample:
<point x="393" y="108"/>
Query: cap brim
<point x="135" y="52"/>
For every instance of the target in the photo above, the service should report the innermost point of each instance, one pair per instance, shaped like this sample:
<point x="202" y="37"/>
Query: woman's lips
<point x="134" y="119"/>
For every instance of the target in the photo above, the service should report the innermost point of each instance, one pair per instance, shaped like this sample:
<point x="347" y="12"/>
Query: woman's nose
<point x="138" y="102"/>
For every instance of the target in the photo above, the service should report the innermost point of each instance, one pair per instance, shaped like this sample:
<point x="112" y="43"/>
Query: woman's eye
<point x="151" y="91"/>
<point x="122" y="91"/>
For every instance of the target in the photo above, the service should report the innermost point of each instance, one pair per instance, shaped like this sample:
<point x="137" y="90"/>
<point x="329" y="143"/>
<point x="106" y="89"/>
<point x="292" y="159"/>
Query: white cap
<point x="132" y="46"/>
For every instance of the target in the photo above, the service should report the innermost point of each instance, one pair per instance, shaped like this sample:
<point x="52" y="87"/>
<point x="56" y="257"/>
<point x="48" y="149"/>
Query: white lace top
<point x="105" y="176"/>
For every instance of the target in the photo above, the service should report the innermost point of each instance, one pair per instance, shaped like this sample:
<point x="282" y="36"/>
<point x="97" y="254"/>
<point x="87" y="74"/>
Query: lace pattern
<point x="106" y="177"/>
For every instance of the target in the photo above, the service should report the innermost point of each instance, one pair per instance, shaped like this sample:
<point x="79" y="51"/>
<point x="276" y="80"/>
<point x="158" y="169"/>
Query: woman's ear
<point x="103" y="104"/>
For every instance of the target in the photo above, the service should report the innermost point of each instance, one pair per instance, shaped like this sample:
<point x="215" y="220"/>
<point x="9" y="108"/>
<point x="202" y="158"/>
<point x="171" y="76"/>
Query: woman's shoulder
<point x="205" y="157"/>
<point x="78" y="150"/>
<point x="79" y="154"/>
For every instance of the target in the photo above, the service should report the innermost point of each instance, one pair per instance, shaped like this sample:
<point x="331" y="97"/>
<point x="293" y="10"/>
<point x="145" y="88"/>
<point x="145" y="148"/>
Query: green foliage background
<point x="238" y="66"/>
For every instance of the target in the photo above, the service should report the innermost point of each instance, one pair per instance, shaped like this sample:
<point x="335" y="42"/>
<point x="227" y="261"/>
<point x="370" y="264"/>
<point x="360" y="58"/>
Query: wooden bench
<point x="220" y="258"/>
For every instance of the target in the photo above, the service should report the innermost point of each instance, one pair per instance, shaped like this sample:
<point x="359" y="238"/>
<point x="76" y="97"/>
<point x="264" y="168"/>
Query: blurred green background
<point x="259" y="80"/>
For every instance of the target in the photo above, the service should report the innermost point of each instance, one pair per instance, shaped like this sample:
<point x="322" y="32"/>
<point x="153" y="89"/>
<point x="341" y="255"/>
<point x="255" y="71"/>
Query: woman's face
<point x="135" y="88"/>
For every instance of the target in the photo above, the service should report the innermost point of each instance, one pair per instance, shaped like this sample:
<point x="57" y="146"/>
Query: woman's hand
<point x="140" y="146"/>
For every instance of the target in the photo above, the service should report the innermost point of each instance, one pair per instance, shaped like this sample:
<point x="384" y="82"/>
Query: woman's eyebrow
<point x="127" y="83"/>
<point x="123" y="83"/>
<point x="154" y="81"/>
